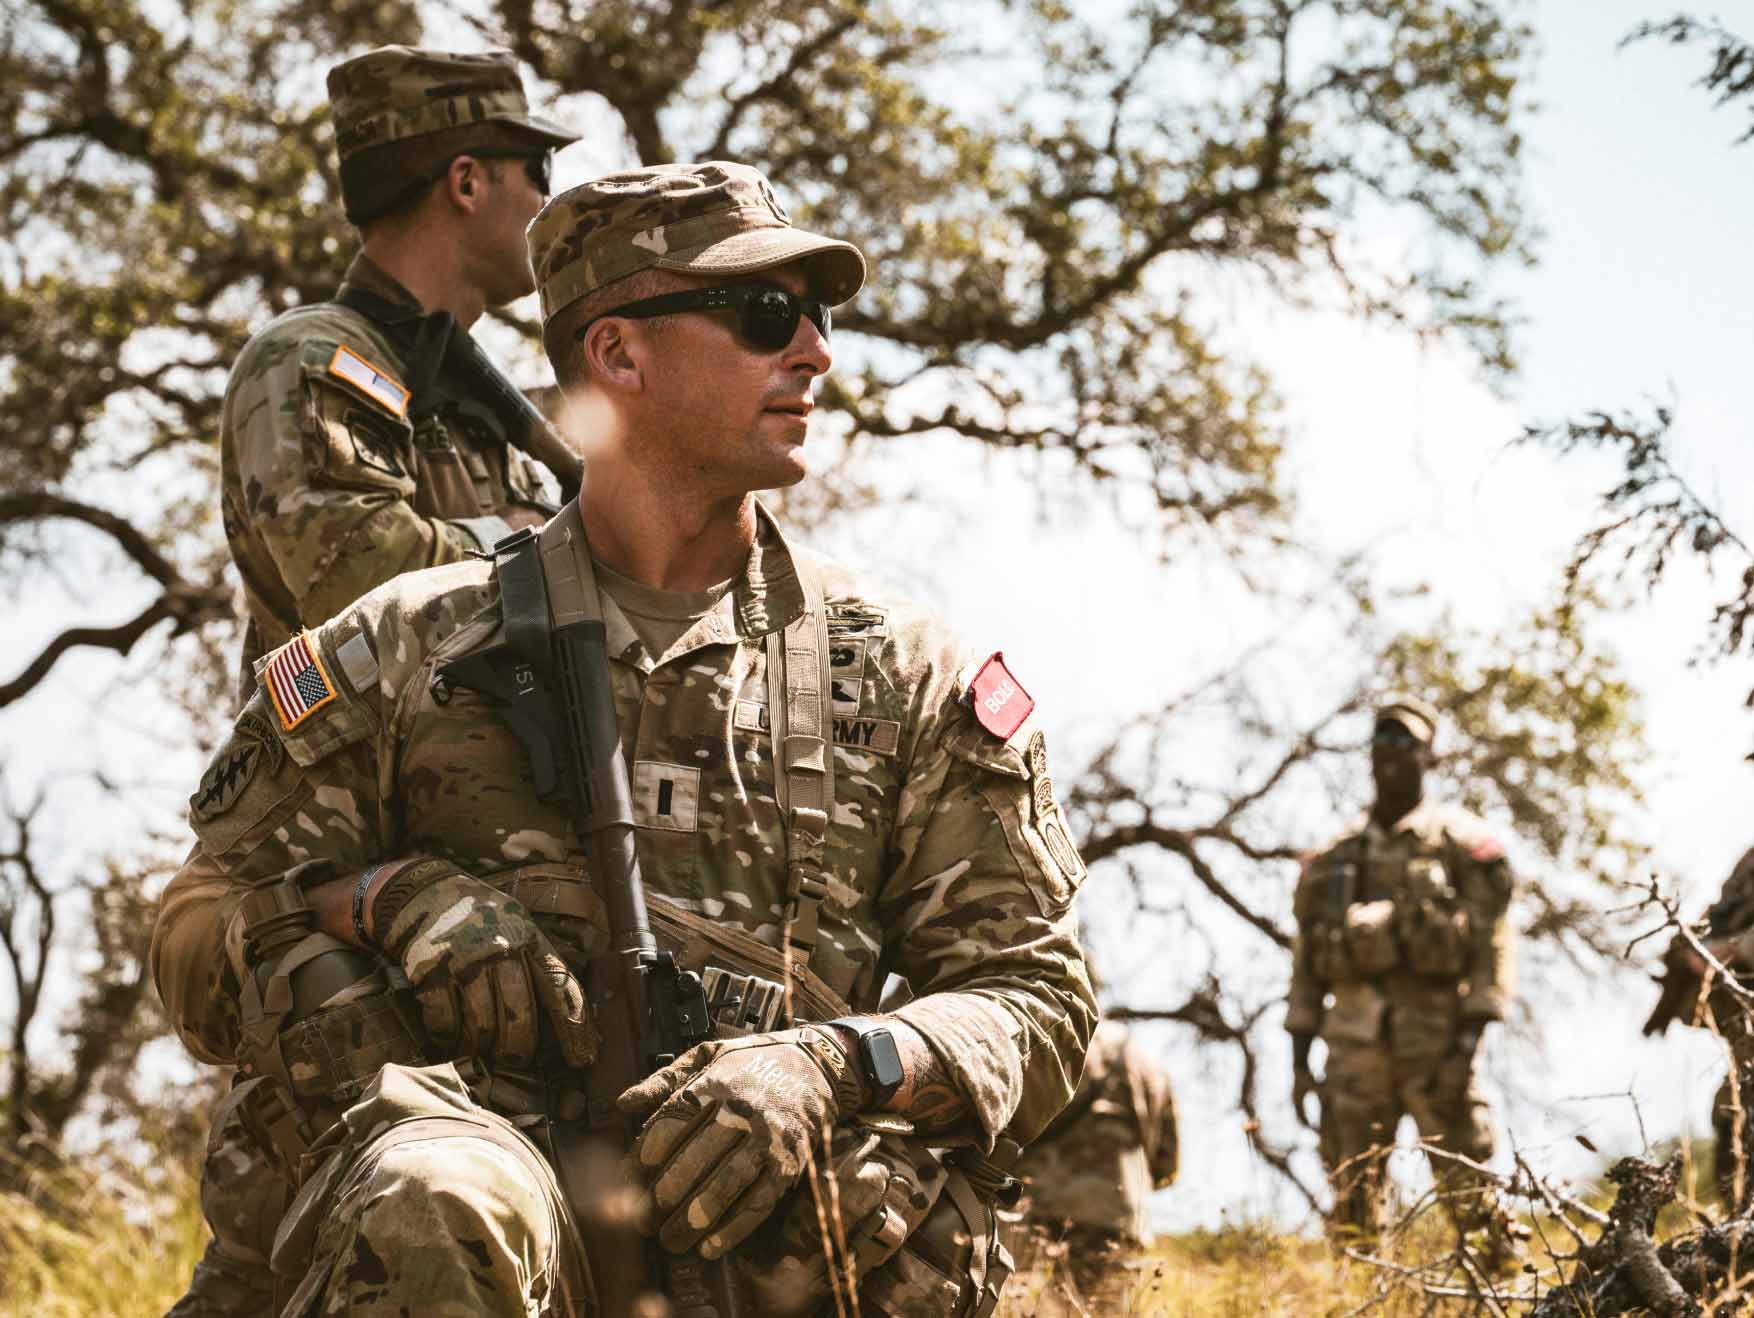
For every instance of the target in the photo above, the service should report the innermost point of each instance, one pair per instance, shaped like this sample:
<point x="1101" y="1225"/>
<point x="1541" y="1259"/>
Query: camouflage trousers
<point x="243" y="1197"/>
<point x="1732" y="1124"/>
<point x="424" y="1202"/>
<point x="1406" y="1063"/>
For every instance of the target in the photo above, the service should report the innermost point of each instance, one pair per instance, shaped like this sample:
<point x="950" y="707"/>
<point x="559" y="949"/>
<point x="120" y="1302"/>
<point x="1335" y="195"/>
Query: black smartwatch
<point x="879" y="1060"/>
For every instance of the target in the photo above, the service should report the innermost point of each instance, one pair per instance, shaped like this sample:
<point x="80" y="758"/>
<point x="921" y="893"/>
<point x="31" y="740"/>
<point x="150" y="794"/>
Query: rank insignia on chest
<point x="296" y="682"/>
<point x="1000" y="703"/>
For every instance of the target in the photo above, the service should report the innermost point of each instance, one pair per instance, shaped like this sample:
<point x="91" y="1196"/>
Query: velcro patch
<point x="879" y="736"/>
<point x="297" y="684"/>
<point x="1000" y="702"/>
<point x="381" y="388"/>
<point x="666" y="796"/>
<point x="252" y="744"/>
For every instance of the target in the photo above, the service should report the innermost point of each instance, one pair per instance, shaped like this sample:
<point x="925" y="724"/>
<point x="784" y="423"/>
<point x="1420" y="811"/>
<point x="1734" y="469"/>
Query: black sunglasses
<point x="1392" y="734"/>
<point x="767" y="316"/>
<point x="537" y="167"/>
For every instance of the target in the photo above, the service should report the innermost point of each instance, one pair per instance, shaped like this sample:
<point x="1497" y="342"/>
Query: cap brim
<point x="546" y="129"/>
<point x="838" y="267"/>
<point x="1414" y="723"/>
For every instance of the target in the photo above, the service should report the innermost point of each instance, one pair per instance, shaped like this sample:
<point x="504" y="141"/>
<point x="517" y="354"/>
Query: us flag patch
<point x="296" y="682"/>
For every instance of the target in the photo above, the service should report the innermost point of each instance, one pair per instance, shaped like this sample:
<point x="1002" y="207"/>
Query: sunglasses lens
<point x="770" y="318"/>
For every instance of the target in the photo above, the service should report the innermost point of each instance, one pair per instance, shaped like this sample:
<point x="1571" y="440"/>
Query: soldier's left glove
<point x="727" y="1126"/>
<point x="878" y="1189"/>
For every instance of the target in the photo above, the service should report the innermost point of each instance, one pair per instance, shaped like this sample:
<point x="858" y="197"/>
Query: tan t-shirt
<point x="658" y="617"/>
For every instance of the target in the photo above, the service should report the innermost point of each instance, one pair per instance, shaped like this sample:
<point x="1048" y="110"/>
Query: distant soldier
<point x="1403" y="957"/>
<point x="1090" y="1175"/>
<point x="1728" y="1010"/>
<point x="340" y="469"/>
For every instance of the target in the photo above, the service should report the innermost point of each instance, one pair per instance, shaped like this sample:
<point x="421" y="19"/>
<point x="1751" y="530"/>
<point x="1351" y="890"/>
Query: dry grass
<point x="81" y="1244"/>
<point x="92" y="1245"/>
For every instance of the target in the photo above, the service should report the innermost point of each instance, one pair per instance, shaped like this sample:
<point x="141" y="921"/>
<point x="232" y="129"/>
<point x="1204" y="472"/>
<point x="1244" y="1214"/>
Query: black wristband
<point x="359" y="891"/>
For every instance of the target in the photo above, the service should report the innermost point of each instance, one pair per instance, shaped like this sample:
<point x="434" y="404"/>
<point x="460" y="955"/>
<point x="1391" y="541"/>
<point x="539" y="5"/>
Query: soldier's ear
<point x="461" y="179"/>
<point x="615" y="354"/>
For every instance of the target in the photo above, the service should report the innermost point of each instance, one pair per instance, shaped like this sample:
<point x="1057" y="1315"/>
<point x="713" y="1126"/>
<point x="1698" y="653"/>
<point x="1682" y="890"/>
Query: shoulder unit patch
<point x="1000" y="702"/>
<point x="297" y="684"/>
<point x="369" y="380"/>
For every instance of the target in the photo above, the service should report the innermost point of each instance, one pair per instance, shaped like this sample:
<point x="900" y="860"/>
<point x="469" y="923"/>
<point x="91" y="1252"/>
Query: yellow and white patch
<point x="374" y="383"/>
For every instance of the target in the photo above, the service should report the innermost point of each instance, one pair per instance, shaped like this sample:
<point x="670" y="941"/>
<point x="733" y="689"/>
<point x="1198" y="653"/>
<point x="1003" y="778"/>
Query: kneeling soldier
<point x="822" y="787"/>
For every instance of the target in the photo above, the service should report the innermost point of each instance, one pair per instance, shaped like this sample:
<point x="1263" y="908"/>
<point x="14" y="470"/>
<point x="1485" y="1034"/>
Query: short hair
<point x="565" y="353"/>
<point x="419" y="190"/>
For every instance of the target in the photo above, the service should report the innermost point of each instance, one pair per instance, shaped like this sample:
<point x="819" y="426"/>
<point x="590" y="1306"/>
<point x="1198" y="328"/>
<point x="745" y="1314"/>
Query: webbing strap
<point x="799" y="705"/>
<point x="523" y="601"/>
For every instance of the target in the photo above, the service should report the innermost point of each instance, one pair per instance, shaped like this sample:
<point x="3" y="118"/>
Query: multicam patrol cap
<point x="401" y="113"/>
<point x="716" y="218"/>
<point x="1413" y="714"/>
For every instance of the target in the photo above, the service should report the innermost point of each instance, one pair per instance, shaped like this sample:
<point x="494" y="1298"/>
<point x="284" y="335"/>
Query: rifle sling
<point x="799" y="705"/>
<point x="546" y="581"/>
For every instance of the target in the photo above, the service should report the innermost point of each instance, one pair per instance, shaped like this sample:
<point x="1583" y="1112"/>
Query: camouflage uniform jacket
<point x="1406" y="909"/>
<point x="327" y="490"/>
<point x="937" y="867"/>
<point x="1115" y="1143"/>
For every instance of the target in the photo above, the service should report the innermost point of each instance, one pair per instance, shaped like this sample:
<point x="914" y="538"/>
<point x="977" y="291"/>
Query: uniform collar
<point x="1417" y="820"/>
<point x="366" y="274"/>
<point x="768" y="594"/>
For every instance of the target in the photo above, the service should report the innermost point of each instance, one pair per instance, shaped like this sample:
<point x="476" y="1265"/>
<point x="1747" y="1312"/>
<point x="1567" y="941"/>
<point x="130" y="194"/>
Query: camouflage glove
<point x="726" y="1129"/>
<point x="879" y="1189"/>
<point x="483" y="973"/>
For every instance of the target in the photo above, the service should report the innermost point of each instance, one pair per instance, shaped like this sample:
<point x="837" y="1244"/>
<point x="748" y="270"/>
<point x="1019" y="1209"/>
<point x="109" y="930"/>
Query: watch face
<point x="882" y="1060"/>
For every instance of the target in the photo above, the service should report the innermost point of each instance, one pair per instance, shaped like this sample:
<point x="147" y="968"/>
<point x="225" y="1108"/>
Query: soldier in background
<point x="1402" y="958"/>
<point x="339" y="470"/>
<point x="1089" y="1176"/>
<point x="1727" y="1010"/>
<point x="337" y="473"/>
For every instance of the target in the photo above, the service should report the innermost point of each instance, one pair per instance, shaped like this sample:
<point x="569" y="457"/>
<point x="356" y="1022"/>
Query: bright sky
<point x="1644" y="290"/>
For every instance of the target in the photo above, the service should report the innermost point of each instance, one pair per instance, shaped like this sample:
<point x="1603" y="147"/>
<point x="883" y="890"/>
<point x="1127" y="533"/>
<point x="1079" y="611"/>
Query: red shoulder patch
<point x="1000" y="702"/>
<point x="1486" y="850"/>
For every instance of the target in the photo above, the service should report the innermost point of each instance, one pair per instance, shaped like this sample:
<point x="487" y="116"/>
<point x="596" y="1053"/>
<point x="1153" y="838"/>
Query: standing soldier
<point x="1402" y="958"/>
<point x="1088" y="1177"/>
<point x="824" y="788"/>
<point x="1729" y="1006"/>
<point x="341" y="467"/>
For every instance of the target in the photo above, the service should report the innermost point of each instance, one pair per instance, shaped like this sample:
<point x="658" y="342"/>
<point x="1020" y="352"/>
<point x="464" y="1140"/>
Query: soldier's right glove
<point x="727" y="1126"/>
<point x="485" y="976"/>
<point x="1304" y="1088"/>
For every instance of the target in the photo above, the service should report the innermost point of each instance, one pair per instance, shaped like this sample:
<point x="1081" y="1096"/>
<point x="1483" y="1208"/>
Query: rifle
<point x="445" y="364"/>
<point x="552" y="678"/>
